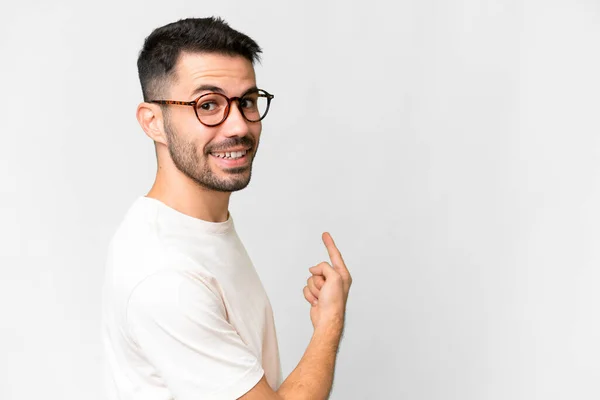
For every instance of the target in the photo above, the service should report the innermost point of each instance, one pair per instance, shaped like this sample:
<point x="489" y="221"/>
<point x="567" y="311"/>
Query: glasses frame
<point x="230" y="100"/>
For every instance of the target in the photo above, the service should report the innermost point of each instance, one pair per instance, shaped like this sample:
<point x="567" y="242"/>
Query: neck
<point x="186" y="196"/>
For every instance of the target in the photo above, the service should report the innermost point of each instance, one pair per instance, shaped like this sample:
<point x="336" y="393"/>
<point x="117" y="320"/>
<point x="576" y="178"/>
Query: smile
<point x="232" y="159"/>
<point x="233" y="155"/>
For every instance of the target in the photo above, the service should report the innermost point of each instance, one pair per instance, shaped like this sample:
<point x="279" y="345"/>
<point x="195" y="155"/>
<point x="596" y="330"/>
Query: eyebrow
<point x="213" y="88"/>
<point x="207" y="88"/>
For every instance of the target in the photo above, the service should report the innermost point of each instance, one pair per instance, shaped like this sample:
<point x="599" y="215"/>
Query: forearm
<point x="313" y="377"/>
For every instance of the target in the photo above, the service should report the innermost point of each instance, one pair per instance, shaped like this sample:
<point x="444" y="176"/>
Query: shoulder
<point x="154" y="275"/>
<point x="137" y="251"/>
<point x="136" y="234"/>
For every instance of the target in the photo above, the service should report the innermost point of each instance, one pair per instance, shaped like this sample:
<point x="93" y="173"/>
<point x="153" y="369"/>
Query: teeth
<point x="231" y="154"/>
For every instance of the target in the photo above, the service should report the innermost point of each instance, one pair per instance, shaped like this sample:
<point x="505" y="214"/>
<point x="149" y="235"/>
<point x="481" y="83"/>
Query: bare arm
<point x="327" y="291"/>
<point x="313" y="377"/>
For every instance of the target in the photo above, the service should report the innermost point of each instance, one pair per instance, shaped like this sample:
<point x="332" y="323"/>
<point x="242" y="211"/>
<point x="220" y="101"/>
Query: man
<point x="185" y="314"/>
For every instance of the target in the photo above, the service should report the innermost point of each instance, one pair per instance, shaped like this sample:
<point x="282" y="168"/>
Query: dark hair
<point x="164" y="45"/>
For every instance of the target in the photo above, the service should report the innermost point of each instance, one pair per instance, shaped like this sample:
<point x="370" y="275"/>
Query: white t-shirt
<point x="185" y="315"/>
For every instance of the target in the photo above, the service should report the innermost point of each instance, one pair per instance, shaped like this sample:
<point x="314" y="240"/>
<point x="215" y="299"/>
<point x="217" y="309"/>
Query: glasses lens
<point x="254" y="105"/>
<point x="211" y="108"/>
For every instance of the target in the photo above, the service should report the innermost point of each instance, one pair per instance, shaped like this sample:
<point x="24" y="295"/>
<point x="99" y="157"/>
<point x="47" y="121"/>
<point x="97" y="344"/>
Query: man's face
<point x="191" y="144"/>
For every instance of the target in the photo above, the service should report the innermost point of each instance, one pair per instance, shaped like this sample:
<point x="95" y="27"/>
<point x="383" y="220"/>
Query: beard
<point x="185" y="157"/>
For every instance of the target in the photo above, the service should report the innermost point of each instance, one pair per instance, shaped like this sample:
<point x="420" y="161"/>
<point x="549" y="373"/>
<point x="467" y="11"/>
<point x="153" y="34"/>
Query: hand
<point x="328" y="287"/>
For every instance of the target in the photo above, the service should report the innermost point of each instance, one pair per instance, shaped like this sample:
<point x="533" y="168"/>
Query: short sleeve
<point x="180" y="324"/>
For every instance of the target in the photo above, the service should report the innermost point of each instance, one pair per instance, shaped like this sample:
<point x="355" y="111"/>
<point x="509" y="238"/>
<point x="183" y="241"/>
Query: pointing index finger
<point x="334" y="253"/>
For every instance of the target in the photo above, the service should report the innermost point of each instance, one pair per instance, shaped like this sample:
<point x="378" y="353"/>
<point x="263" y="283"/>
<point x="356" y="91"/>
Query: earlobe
<point x="150" y="119"/>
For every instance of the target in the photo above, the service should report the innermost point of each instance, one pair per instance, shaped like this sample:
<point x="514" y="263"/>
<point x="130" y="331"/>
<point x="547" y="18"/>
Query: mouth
<point x="232" y="158"/>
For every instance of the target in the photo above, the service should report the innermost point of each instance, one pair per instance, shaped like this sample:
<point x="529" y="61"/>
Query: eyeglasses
<point x="212" y="109"/>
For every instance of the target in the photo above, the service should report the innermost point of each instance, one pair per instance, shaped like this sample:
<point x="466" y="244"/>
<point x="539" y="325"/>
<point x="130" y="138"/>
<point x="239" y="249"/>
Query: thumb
<point x="316" y="270"/>
<point x="323" y="269"/>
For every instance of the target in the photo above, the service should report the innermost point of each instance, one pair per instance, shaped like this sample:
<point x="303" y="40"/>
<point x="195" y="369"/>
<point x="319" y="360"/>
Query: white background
<point x="452" y="149"/>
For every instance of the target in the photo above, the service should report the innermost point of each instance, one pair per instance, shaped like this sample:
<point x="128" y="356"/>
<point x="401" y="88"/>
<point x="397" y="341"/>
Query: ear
<point x="150" y="118"/>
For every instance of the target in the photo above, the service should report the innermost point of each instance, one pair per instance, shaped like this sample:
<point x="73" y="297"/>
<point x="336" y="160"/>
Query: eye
<point x="247" y="102"/>
<point x="208" y="106"/>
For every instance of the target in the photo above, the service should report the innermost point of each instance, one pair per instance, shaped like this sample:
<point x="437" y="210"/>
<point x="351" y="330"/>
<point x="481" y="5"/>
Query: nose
<point x="235" y="124"/>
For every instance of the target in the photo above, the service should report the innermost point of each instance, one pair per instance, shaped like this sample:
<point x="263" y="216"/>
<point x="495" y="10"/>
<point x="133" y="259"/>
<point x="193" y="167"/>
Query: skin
<point x="188" y="179"/>
<point x="327" y="291"/>
<point x="193" y="182"/>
